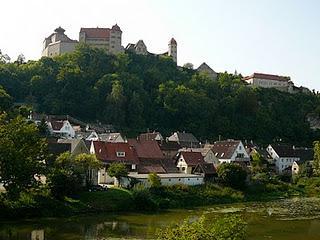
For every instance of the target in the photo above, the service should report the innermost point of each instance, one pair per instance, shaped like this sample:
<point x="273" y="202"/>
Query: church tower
<point x="173" y="50"/>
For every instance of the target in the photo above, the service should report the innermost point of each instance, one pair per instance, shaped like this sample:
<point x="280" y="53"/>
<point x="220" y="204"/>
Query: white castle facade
<point x="109" y="39"/>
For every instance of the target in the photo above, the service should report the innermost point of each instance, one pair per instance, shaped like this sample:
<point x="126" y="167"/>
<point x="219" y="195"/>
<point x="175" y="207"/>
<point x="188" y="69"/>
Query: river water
<point x="295" y="219"/>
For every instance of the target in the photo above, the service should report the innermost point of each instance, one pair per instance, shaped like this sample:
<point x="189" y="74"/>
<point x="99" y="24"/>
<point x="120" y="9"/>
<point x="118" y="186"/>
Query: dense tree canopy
<point x="22" y="155"/>
<point x="136" y="93"/>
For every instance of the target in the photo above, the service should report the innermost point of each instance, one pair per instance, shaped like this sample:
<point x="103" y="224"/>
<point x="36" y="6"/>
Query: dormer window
<point x="121" y="154"/>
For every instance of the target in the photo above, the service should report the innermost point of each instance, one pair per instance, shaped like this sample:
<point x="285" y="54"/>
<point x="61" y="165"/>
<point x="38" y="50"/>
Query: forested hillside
<point x="136" y="93"/>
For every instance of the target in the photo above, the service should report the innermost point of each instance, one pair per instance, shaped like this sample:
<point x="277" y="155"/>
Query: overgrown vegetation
<point x="228" y="227"/>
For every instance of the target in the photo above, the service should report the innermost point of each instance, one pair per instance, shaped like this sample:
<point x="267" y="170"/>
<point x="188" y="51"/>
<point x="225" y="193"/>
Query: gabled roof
<point x="225" y="149"/>
<point x="146" y="149"/>
<point x="192" y="158"/>
<point x="140" y="42"/>
<point x="150" y="166"/>
<point x="107" y="152"/>
<point x="169" y="165"/>
<point x="149" y="136"/>
<point x="206" y="168"/>
<point x="183" y="137"/>
<point x="57" y="125"/>
<point x="96" y="32"/>
<point x="204" y="151"/>
<point x="169" y="146"/>
<point x="267" y="76"/>
<point x="109" y="137"/>
<point x="56" y="149"/>
<point x="205" y="66"/>
<point x="284" y="150"/>
<point x="305" y="154"/>
<point x="130" y="46"/>
<point x="74" y="143"/>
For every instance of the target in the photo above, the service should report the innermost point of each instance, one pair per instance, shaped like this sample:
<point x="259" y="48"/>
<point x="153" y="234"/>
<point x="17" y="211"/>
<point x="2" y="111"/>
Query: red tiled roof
<point x="193" y="158"/>
<point x="107" y="152"/>
<point x="56" y="125"/>
<point x="146" y="149"/>
<point x="96" y="32"/>
<point x="267" y="76"/>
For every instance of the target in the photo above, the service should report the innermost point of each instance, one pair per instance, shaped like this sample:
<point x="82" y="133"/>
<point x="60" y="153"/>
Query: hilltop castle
<point x="109" y="39"/>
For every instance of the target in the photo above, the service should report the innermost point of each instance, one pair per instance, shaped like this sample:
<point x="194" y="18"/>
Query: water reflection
<point x="274" y="220"/>
<point x="37" y="235"/>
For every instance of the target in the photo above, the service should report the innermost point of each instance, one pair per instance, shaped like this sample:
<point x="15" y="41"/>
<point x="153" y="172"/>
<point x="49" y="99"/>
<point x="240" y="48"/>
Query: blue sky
<point x="270" y="36"/>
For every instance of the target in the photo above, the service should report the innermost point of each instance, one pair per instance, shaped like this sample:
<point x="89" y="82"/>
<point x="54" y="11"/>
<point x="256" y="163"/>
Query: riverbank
<point x="287" y="219"/>
<point x="140" y="199"/>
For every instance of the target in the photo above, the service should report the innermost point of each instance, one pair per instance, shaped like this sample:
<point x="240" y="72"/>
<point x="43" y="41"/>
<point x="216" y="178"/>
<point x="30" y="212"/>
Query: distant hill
<point x="136" y="93"/>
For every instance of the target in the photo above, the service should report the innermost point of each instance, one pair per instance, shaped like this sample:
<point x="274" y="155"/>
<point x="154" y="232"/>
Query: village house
<point x="109" y="153"/>
<point x="150" y="156"/>
<point x="207" y="153"/>
<point x="230" y="151"/>
<point x="283" y="156"/>
<point x="306" y="156"/>
<point x="78" y="146"/>
<point x="207" y="170"/>
<point x="187" y="161"/>
<point x="61" y="128"/>
<point x="187" y="140"/>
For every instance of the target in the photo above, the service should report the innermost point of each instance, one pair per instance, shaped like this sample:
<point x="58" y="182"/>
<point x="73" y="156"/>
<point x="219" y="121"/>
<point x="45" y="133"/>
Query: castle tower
<point x="116" y="39"/>
<point x="173" y="50"/>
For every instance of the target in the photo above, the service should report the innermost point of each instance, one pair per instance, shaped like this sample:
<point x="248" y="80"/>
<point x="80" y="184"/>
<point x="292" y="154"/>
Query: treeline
<point x="136" y="93"/>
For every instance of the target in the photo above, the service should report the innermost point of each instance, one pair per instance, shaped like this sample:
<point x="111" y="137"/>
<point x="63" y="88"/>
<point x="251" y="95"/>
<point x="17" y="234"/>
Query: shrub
<point x="64" y="183"/>
<point x="232" y="175"/>
<point x="143" y="199"/>
<point x="229" y="227"/>
<point x="154" y="180"/>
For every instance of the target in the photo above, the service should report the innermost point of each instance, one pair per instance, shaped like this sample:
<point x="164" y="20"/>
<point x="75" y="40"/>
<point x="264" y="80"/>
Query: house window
<point x="121" y="154"/>
<point x="133" y="166"/>
<point x="183" y="169"/>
